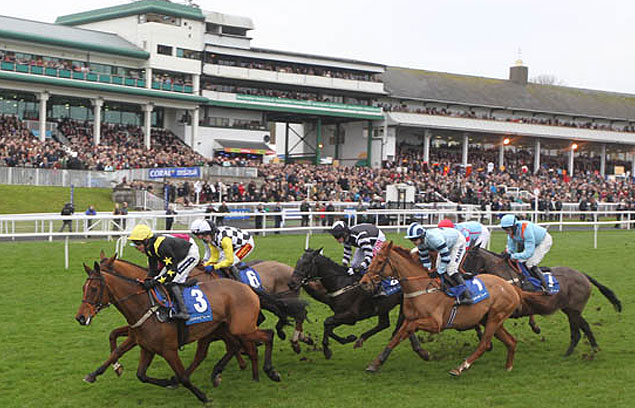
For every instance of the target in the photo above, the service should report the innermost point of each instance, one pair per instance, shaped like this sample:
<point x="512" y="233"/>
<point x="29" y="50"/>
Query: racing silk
<point x="230" y="241"/>
<point x="168" y="251"/>
<point x="442" y="241"/>
<point x="528" y="234"/>
<point x="364" y="237"/>
<point x="471" y="230"/>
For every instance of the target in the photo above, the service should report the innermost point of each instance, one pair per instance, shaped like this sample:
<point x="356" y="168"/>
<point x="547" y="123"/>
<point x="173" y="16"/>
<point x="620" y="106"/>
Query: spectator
<point x="278" y="217"/>
<point x="220" y="221"/>
<point x="90" y="211"/>
<point x="305" y="208"/>
<point x="124" y="212"/>
<point x="170" y="219"/>
<point x="259" y="218"/>
<point x="68" y="210"/>
<point x="117" y="221"/>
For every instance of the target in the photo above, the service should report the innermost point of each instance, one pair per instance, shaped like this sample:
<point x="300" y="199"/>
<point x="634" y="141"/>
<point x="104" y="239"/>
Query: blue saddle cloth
<point x="250" y="277"/>
<point x="390" y="286"/>
<point x="553" y="286"/>
<point x="477" y="289"/>
<point x="198" y="306"/>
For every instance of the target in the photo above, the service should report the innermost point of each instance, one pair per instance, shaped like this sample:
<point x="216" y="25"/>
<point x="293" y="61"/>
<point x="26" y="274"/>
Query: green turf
<point x="45" y="353"/>
<point x="34" y="199"/>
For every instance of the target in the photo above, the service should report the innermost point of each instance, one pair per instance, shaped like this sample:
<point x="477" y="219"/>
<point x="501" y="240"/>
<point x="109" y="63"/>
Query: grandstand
<point x="180" y="86"/>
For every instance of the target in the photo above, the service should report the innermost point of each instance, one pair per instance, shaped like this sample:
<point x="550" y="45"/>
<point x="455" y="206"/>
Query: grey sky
<point x="583" y="43"/>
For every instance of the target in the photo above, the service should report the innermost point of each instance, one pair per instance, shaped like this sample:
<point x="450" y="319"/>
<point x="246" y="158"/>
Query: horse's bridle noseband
<point x="97" y="306"/>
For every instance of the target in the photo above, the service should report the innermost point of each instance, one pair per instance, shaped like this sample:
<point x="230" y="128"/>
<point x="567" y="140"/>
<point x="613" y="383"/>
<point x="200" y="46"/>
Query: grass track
<point x="45" y="353"/>
<point x="39" y="199"/>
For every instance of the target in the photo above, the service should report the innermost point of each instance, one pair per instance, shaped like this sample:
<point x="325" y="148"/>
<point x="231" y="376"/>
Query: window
<point x="241" y="32"/>
<point x="164" y="50"/>
<point x="159" y="18"/>
<point x="189" y="54"/>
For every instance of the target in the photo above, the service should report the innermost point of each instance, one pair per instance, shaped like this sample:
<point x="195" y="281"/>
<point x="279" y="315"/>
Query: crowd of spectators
<point x="553" y="121"/>
<point x="301" y="69"/>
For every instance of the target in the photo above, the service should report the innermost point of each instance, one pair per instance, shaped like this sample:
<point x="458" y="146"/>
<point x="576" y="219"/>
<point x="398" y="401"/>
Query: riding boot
<point x="535" y="270"/>
<point x="467" y="294"/>
<point x="177" y="293"/>
<point x="234" y="272"/>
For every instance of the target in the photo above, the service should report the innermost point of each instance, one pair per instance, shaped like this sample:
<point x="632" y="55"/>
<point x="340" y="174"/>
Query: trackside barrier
<point x="45" y="226"/>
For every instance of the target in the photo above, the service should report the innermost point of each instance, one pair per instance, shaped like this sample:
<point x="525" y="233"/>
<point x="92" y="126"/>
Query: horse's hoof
<point x="216" y="380"/>
<point x="118" y="367"/>
<point x="308" y="341"/>
<point x="328" y="353"/>
<point x="359" y="343"/>
<point x="489" y="347"/>
<point x="350" y="338"/>
<point x="424" y="354"/>
<point x="455" y="372"/>
<point x="90" y="379"/>
<point x="281" y="334"/>
<point x="173" y="384"/>
<point x="371" y="369"/>
<point x="273" y="375"/>
<point x="509" y="368"/>
<point x="536" y="329"/>
<point x="296" y="347"/>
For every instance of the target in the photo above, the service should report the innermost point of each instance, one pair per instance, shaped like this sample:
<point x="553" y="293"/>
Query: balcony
<point x="225" y="71"/>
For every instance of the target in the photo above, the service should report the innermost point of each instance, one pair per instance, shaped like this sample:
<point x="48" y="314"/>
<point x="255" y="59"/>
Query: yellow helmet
<point x="140" y="233"/>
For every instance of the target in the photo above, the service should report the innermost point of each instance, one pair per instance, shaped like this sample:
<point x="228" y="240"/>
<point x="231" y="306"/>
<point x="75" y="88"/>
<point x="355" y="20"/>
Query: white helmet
<point x="200" y="227"/>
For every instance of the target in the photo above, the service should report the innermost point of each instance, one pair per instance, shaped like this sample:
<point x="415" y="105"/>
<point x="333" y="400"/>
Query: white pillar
<point x="501" y="154"/>
<point x="633" y="164"/>
<point x="426" y="145"/>
<point x="571" y="156"/>
<point x="196" y="83"/>
<point x="43" y="97"/>
<point x="97" y="104"/>
<point x="603" y="160"/>
<point x="466" y="142"/>
<point x="147" y="124"/>
<point x="536" y="156"/>
<point x="195" y="119"/>
<point x="148" y="77"/>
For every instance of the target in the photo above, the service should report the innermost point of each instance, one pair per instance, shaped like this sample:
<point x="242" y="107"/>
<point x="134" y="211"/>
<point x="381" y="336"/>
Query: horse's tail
<point x="282" y="308"/>
<point x="608" y="293"/>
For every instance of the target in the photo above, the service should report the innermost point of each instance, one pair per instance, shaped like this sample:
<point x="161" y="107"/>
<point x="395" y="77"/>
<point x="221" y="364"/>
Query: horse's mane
<point x="330" y="263"/>
<point x="131" y="264"/>
<point x="405" y="252"/>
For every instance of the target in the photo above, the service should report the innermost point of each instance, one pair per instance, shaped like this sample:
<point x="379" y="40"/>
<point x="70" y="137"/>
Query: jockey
<point x="225" y="247"/>
<point x="475" y="233"/>
<point x="450" y="247"/>
<point x="178" y="256"/>
<point x="535" y="240"/>
<point x="366" y="238"/>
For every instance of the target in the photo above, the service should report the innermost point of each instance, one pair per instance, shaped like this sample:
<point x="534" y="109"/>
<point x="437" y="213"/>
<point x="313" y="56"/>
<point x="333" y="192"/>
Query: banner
<point x="175" y="172"/>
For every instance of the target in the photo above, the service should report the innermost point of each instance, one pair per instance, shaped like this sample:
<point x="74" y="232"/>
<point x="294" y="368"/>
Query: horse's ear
<point x="102" y="255"/>
<point x="111" y="260"/>
<point x="86" y="268"/>
<point x="97" y="267"/>
<point x="390" y="245"/>
<point x="320" y="251"/>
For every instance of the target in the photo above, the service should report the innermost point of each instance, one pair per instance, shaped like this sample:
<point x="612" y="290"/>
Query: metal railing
<point x="289" y="221"/>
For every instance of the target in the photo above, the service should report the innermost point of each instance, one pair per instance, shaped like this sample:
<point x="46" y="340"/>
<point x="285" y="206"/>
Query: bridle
<point x="97" y="306"/>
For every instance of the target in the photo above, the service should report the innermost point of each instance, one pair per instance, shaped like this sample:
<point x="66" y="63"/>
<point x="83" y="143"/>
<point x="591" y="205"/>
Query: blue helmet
<point x="508" y="220"/>
<point x="415" y="230"/>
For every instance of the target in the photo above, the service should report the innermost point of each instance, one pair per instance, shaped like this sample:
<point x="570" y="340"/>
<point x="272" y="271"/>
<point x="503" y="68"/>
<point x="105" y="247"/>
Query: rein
<point x="406" y="279"/>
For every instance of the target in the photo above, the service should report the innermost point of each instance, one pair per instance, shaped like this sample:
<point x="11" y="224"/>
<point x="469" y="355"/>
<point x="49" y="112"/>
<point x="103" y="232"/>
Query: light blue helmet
<point x="415" y="230"/>
<point x="508" y="220"/>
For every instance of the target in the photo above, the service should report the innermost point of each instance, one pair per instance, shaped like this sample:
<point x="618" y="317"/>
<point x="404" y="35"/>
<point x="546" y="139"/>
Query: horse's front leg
<point x="404" y="331"/>
<point x="534" y="326"/>
<point x="383" y="322"/>
<point x="330" y="323"/>
<point x="173" y="359"/>
<point x="114" y="335"/>
<point x="128" y="344"/>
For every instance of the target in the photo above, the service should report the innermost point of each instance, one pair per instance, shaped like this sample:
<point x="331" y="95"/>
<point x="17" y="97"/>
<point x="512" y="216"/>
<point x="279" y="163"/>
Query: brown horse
<point x="575" y="290"/>
<point x="427" y="308"/>
<point x="116" y="352"/>
<point x="233" y="304"/>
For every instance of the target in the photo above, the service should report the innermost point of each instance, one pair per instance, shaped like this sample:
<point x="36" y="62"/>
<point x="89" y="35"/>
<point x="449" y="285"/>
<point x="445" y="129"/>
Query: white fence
<point x="50" y="226"/>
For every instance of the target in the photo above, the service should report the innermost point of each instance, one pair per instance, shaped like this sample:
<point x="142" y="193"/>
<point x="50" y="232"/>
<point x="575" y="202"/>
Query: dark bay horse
<point x="575" y="290"/>
<point x="235" y="305"/>
<point x="346" y="298"/>
<point x="427" y="308"/>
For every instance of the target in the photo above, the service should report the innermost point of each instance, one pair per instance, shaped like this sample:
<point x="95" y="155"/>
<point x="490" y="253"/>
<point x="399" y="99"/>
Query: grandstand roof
<point x="134" y="8"/>
<point x="503" y="94"/>
<point x="68" y="37"/>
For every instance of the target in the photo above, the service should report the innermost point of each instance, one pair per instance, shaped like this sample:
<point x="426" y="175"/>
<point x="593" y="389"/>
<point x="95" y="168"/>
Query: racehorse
<point x="346" y="298"/>
<point x="274" y="276"/>
<point x="427" y="308"/>
<point x="130" y="342"/>
<point x="575" y="290"/>
<point x="233" y="304"/>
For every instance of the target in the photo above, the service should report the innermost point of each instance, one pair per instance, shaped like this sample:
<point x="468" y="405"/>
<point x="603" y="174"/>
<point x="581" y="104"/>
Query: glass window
<point x="164" y="50"/>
